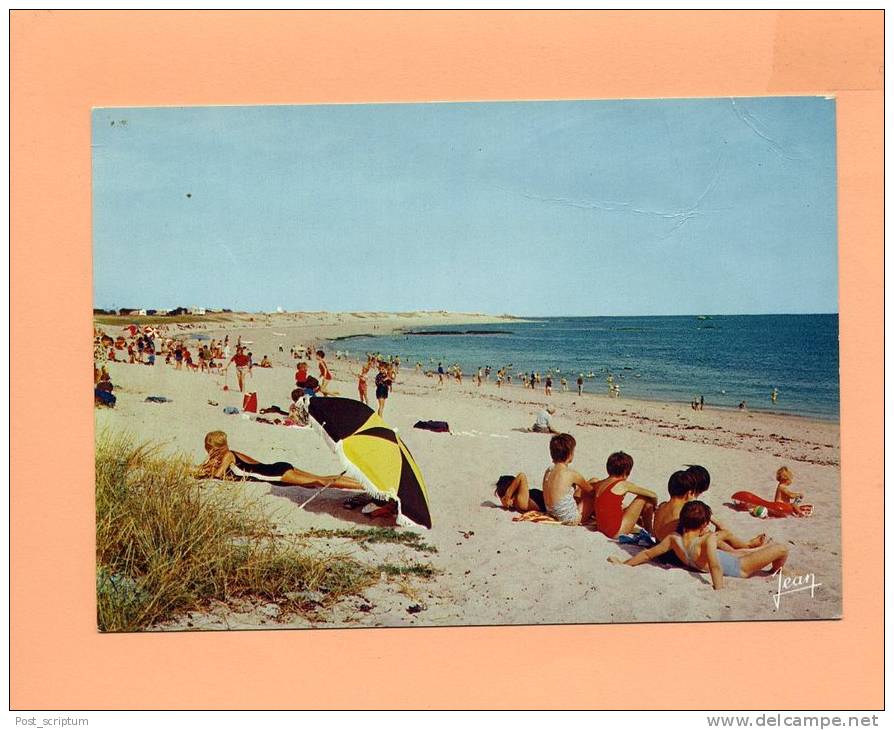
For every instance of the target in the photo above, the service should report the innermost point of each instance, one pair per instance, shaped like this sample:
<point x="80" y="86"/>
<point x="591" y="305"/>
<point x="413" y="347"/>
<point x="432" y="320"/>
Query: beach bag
<point x="250" y="403"/>
<point x="436" y="426"/>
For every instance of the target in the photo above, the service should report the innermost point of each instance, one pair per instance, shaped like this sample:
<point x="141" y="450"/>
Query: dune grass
<point x="124" y="320"/>
<point x="377" y="535"/>
<point x="166" y="544"/>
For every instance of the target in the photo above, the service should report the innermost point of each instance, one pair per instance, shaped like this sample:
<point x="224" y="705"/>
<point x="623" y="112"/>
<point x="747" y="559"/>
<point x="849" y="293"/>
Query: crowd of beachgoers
<point x="680" y="531"/>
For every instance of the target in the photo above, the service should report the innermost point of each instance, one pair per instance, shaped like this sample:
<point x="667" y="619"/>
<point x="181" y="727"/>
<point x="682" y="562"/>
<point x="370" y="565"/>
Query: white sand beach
<point x="489" y="569"/>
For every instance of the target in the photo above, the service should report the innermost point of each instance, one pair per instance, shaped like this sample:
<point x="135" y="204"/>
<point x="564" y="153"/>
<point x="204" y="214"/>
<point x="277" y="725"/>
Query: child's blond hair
<point x="784" y="475"/>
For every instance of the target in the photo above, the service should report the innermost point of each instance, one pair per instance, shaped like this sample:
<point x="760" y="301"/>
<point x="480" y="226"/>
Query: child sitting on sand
<point x="684" y="487"/>
<point x="567" y="495"/>
<point x="514" y="494"/>
<point x="697" y="548"/>
<point x="784" y="477"/>
<point x="612" y="518"/>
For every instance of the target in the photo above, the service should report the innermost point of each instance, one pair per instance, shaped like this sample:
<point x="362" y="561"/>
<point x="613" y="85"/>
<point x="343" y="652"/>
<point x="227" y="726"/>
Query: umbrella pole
<point x="313" y="497"/>
<point x="319" y="492"/>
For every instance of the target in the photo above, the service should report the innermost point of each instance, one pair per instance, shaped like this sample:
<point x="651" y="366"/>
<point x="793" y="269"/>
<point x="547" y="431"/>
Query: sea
<point x="727" y="359"/>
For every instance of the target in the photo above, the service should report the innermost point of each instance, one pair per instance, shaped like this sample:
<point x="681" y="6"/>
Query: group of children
<point x="385" y="377"/>
<point x="680" y="531"/>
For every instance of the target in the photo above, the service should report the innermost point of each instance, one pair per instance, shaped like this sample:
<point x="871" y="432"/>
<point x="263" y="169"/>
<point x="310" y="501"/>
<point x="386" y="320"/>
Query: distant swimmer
<point x="774" y="395"/>
<point x="742" y="406"/>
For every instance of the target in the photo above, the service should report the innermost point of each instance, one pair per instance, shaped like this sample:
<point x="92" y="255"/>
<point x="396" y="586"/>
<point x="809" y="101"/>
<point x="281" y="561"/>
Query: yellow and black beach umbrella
<point x="373" y="454"/>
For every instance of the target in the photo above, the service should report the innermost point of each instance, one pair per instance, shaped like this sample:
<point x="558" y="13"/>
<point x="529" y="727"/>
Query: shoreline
<point x="630" y="400"/>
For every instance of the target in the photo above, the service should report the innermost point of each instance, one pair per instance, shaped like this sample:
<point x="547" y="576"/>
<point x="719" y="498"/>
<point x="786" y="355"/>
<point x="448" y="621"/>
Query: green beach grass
<point x="167" y="544"/>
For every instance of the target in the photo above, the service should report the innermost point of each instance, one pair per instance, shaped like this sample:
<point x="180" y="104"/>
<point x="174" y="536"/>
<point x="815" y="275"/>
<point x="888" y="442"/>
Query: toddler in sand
<point x="784" y="493"/>
<point x="697" y="548"/>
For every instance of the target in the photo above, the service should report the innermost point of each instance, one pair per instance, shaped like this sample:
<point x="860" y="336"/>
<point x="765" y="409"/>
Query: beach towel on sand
<point x="534" y="516"/>
<point x="436" y="426"/>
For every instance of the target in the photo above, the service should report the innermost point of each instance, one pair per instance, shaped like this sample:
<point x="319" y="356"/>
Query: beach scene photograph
<point x="466" y="364"/>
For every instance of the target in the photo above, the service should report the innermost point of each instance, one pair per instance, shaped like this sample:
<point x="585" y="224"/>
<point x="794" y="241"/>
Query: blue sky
<point x="710" y="206"/>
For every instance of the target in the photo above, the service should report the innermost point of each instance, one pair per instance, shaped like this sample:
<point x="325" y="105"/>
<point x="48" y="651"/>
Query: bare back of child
<point x="567" y="493"/>
<point x="697" y="548"/>
<point x="686" y="486"/>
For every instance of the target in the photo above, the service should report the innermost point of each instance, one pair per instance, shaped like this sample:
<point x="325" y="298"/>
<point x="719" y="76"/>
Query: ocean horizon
<point x="726" y="359"/>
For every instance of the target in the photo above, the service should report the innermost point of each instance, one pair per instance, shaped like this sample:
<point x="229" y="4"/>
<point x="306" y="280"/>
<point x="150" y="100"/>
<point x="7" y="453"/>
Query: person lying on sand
<point x="514" y="494"/>
<point x="223" y="463"/>
<point x="612" y="518"/>
<point x="696" y="547"/>
<point x="567" y="495"/>
<point x="686" y="486"/>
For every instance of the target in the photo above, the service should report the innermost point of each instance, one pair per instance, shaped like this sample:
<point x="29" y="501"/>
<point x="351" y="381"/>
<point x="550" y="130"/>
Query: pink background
<point x="64" y="63"/>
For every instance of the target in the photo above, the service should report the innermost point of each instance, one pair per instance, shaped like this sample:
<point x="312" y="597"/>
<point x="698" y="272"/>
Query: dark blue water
<point x="725" y="358"/>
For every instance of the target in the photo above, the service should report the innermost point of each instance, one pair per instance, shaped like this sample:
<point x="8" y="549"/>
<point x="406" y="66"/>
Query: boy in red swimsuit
<point x="612" y="518"/>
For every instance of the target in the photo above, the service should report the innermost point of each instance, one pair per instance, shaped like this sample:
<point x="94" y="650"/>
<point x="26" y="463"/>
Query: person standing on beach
<point x="361" y="382"/>
<point x="440" y="374"/>
<point x="533" y="381"/>
<point x="548" y="389"/>
<point x="240" y="360"/>
<point x="580" y="384"/>
<point x="383" y="386"/>
<point x="325" y="373"/>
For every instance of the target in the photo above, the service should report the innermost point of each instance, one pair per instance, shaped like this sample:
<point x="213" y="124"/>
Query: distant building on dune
<point x="197" y="310"/>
